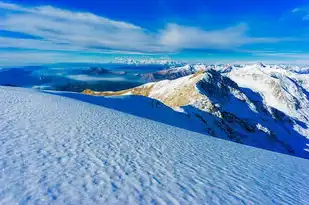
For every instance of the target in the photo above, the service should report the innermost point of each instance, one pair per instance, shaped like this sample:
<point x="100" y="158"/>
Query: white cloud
<point x="59" y="29"/>
<point x="32" y="58"/>
<point x="12" y="7"/>
<point x="191" y="37"/>
<point x="284" y="55"/>
<point x="25" y="57"/>
<point x="67" y="30"/>
<point x="296" y="10"/>
<point x="302" y="11"/>
<point x="92" y="78"/>
<point x="306" y="17"/>
<point x="49" y="11"/>
<point x="281" y="57"/>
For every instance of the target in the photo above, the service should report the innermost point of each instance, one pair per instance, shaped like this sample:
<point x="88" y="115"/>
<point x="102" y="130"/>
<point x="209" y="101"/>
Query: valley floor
<point x="56" y="150"/>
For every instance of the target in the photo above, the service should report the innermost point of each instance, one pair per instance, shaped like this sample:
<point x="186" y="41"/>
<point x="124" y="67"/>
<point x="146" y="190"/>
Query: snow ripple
<point x="56" y="150"/>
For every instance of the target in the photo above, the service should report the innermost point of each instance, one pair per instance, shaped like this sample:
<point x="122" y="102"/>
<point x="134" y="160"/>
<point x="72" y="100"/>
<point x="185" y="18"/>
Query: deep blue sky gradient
<point x="264" y="19"/>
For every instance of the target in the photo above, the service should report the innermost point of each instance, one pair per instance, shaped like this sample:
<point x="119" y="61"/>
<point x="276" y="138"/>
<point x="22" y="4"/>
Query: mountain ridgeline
<point x="265" y="106"/>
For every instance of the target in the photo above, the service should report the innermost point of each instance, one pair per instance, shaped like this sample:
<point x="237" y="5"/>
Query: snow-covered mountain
<point x="280" y="88"/>
<point x="260" y="105"/>
<point x="187" y="69"/>
<point x="172" y="73"/>
<point x="56" y="150"/>
<point x="147" y="61"/>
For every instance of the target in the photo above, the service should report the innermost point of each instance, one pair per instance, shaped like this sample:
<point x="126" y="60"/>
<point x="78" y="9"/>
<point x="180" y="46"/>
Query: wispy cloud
<point x="49" y="11"/>
<point x="281" y="57"/>
<point x="55" y="29"/>
<point x="303" y="11"/>
<point x="177" y="36"/>
<point x="65" y="30"/>
<point x="23" y="58"/>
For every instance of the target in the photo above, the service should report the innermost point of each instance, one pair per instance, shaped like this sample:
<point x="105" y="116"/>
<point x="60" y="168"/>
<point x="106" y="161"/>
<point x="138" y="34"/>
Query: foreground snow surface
<point x="56" y="150"/>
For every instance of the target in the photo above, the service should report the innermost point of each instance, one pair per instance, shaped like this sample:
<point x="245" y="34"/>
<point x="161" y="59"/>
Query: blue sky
<point x="222" y="31"/>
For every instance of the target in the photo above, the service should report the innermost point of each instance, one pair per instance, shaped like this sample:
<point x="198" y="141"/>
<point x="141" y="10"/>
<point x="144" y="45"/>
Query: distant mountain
<point x="147" y="61"/>
<point x="260" y="105"/>
<point x="100" y="71"/>
<point x="172" y="73"/>
<point x="66" y="79"/>
<point x="188" y="69"/>
<point x="22" y="77"/>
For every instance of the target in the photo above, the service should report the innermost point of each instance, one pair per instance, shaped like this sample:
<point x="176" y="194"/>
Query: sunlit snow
<point x="56" y="150"/>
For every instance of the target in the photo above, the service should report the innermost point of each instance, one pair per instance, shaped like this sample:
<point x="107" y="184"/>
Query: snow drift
<point x="56" y="150"/>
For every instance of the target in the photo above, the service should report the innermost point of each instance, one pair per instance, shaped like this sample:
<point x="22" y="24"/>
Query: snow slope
<point x="56" y="150"/>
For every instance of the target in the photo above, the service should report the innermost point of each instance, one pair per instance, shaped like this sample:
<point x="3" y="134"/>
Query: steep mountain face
<point x="266" y="109"/>
<point x="280" y="88"/>
<point x="244" y="117"/>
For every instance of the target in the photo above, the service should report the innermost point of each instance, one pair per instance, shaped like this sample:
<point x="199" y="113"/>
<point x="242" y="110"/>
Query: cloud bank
<point x="55" y="29"/>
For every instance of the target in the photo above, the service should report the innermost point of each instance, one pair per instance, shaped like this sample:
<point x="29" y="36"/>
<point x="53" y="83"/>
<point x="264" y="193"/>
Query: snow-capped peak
<point x="270" y="111"/>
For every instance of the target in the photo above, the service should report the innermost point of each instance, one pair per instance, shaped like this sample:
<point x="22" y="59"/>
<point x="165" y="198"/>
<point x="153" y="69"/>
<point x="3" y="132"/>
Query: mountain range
<point x="265" y="106"/>
<point x="194" y="134"/>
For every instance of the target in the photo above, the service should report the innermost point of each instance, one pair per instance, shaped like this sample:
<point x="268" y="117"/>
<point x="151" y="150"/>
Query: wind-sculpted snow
<point x="56" y="150"/>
